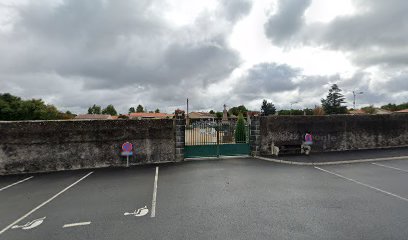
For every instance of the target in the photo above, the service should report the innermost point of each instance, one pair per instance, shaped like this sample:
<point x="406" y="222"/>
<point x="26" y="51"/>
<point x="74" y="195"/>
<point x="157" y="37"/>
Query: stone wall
<point x="38" y="146"/>
<point x="336" y="132"/>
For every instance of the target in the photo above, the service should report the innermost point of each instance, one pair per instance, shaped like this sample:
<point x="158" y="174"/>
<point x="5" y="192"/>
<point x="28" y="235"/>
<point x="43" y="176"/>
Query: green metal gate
<point x="214" y="139"/>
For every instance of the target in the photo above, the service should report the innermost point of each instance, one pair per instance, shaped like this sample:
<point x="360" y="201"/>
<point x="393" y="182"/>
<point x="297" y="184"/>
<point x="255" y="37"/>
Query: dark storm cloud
<point x="375" y="35"/>
<point x="105" y="48"/>
<point x="235" y="9"/>
<point x="267" y="78"/>
<point x="287" y="21"/>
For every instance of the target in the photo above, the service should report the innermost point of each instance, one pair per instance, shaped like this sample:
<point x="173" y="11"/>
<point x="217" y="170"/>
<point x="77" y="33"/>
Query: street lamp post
<point x="354" y="98"/>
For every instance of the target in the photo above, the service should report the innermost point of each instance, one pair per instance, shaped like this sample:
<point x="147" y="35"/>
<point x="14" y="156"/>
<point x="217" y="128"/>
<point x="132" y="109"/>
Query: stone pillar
<point x="180" y="125"/>
<point x="255" y="135"/>
<point x="225" y="115"/>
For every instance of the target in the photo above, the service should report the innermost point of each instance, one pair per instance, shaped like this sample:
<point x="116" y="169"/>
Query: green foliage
<point x="157" y="110"/>
<point x="95" y="109"/>
<point x="132" y="110"/>
<point x="333" y="102"/>
<point x="139" y="108"/>
<point x="13" y="108"/>
<point x="393" y="107"/>
<point x="267" y="108"/>
<point x="308" y="111"/>
<point x="237" y="110"/>
<point x="370" y="109"/>
<point x="240" y="133"/>
<point x="212" y="112"/>
<point x="291" y="112"/>
<point x="219" y="115"/>
<point x="110" y="109"/>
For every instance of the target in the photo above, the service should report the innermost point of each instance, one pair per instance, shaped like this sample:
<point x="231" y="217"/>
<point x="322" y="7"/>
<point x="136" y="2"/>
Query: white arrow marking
<point x="139" y="212"/>
<point x="31" y="224"/>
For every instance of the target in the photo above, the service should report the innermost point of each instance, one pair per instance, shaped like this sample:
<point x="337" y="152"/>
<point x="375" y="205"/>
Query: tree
<point x="110" y="109"/>
<point x="267" y="108"/>
<point x="318" y="111"/>
<point x="219" y="115"/>
<point x="237" y="110"/>
<point x="132" y="110"/>
<point x="212" y="112"/>
<point x="157" y="110"/>
<point x="240" y="133"/>
<point x="139" y="108"/>
<point x="95" y="109"/>
<point x="333" y="102"/>
<point x="369" y="109"/>
<point x="13" y="108"/>
<point x="291" y="112"/>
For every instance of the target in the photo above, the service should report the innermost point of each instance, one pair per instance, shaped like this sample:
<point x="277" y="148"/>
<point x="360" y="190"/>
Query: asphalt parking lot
<point x="241" y="198"/>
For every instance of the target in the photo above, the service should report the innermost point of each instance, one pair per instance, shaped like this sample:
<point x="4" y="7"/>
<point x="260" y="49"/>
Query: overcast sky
<point x="76" y="53"/>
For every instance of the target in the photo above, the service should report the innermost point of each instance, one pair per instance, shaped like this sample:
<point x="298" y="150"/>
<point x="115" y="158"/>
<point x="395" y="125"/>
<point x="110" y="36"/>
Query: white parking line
<point x="153" y="214"/>
<point x="76" y="224"/>
<point x="4" y="188"/>
<point x="387" y="166"/>
<point x="363" y="184"/>
<point x="42" y="204"/>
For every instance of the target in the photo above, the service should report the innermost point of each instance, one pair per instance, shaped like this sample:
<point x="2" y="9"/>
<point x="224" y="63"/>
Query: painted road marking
<point x="30" y="225"/>
<point x="139" y="212"/>
<point x="4" y="188"/>
<point x="366" y="185"/>
<point x="42" y="204"/>
<point x="387" y="166"/>
<point x="76" y="224"/>
<point x="153" y="214"/>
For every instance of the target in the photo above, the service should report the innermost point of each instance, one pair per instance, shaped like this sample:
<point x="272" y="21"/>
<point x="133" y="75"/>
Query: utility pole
<point x="354" y="98"/>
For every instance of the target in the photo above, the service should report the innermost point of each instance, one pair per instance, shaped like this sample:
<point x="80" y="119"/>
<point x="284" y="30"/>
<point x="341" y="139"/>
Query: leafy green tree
<point x="95" y="109"/>
<point x="157" y="110"/>
<point x="333" y="102"/>
<point x="212" y="112"/>
<point x="369" y="109"/>
<point x="132" y="110"/>
<point x="219" y="115"/>
<point x="13" y="108"/>
<point x="394" y="107"/>
<point x="240" y="133"/>
<point x="291" y="112"/>
<point x="110" y="109"/>
<point x="308" y="111"/>
<point x="267" y="108"/>
<point x="236" y="110"/>
<point x="139" y="108"/>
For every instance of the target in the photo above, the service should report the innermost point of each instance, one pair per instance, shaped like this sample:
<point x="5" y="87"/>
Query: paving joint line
<point x="332" y="162"/>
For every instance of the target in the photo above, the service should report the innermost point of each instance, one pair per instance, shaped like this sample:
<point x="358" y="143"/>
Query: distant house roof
<point x="201" y="115"/>
<point x="253" y="113"/>
<point x="150" y="115"/>
<point x="357" y="112"/>
<point x="93" y="116"/>
<point x="402" y="111"/>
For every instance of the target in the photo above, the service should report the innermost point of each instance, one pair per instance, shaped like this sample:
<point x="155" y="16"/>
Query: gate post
<point x="180" y="123"/>
<point x="255" y="135"/>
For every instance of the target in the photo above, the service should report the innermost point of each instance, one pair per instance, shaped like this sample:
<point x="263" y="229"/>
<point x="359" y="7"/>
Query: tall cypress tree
<point x="334" y="100"/>
<point x="240" y="133"/>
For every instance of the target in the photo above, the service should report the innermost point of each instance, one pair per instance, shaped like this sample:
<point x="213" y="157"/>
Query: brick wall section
<point x="255" y="136"/>
<point x="336" y="132"/>
<point x="38" y="146"/>
<point x="180" y="124"/>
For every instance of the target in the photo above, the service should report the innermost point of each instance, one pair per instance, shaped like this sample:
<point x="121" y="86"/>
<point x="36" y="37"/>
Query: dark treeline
<point x="13" y="108"/>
